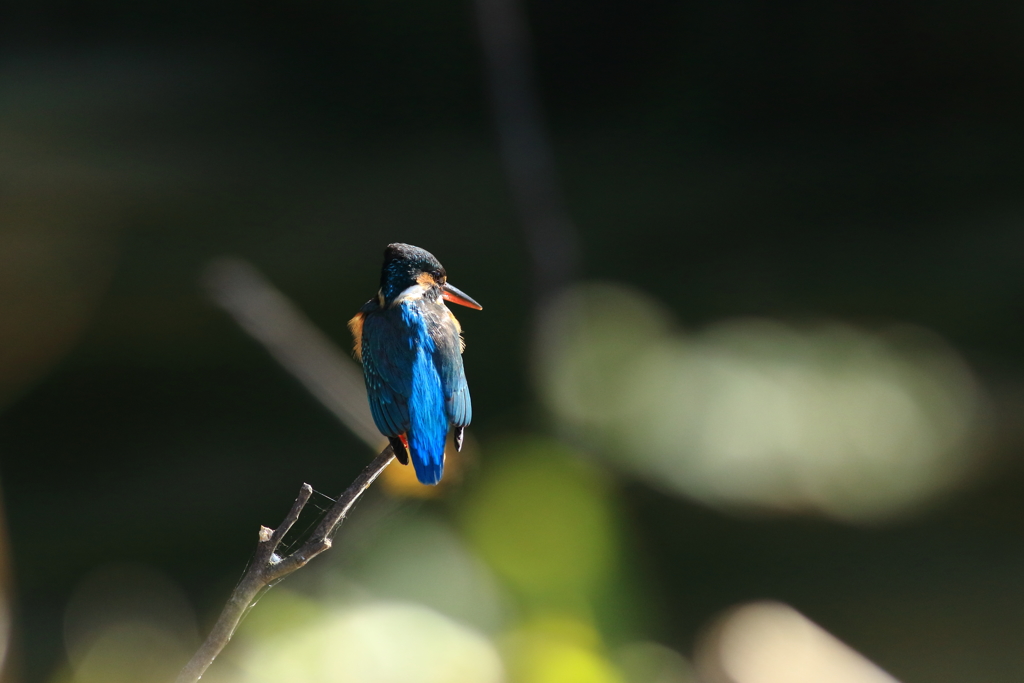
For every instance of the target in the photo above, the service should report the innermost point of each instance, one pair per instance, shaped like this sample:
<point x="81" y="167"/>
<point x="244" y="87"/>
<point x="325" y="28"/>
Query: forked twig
<point x="306" y="352"/>
<point x="267" y="568"/>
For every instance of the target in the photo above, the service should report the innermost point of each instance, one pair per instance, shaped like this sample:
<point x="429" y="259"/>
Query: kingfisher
<point x="411" y="347"/>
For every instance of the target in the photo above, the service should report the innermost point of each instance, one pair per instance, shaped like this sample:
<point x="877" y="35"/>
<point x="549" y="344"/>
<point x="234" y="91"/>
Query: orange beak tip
<point x="457" y="296"/>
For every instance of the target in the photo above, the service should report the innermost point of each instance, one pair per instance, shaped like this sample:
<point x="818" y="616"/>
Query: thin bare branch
<point x="289" y="521"/>
<point x="267" y="568"/>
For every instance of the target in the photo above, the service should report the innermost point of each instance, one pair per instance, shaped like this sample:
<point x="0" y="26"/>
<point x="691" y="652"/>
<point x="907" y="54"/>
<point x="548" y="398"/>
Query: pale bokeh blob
<point x="375" y="642"/>
<point x="769" y="642"/>
<point x="130" y="652"/>
<point x="127" y="624"/>
<point x="822" y="416"/>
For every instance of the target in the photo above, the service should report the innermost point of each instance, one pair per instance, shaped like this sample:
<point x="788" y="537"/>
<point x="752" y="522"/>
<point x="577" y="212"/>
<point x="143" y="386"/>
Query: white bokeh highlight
<point x="377" y="642"/>
<point x="822" y="416"/>
<point x="768" y="642"/>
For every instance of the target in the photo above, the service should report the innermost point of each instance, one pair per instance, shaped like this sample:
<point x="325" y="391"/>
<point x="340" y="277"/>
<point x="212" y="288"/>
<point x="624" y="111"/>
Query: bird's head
<point x="411" y="272"/>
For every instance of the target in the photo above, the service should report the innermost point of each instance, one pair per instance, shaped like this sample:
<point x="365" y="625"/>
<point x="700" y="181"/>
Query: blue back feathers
<point x="428" y="426"/>
<point x="415" y="379"/>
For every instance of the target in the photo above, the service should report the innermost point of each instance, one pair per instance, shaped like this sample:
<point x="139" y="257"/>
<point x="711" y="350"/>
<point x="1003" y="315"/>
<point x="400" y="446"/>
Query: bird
<point x="410" y="345"/>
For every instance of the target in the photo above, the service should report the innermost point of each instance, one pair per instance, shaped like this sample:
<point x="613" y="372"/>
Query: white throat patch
<point x="413" y="293"/>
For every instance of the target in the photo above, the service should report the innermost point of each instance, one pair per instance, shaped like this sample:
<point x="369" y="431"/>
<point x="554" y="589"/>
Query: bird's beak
<point x="457" y="296"/>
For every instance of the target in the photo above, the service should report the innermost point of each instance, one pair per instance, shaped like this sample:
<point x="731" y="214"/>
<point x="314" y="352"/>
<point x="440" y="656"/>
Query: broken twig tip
<point x="266" y="534"/>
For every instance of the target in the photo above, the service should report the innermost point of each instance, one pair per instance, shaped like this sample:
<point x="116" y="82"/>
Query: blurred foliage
<point x="419" y="558"/>
<point x="820" y="416"/>
<point x="548" y="650"/>
<point x="542" y="519"/>
<point x="386" y="642"/>
<point x="646" y="662"/>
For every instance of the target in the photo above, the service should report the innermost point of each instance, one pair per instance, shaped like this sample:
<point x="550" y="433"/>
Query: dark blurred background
<point x="850" y="161"/>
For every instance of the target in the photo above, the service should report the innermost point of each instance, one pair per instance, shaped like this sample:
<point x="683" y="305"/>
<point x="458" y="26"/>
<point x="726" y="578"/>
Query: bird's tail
<point x="429" y="421"/>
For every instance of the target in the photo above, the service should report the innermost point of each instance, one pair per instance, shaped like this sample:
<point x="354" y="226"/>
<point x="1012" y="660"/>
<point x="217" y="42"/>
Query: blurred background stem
<point x="527" y="157"/>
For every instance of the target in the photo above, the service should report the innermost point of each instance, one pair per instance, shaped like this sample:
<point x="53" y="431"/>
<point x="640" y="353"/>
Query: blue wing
<point x="453" y="374"/>
<point x="387" y="369"/>
<point x="456" y="391"/>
